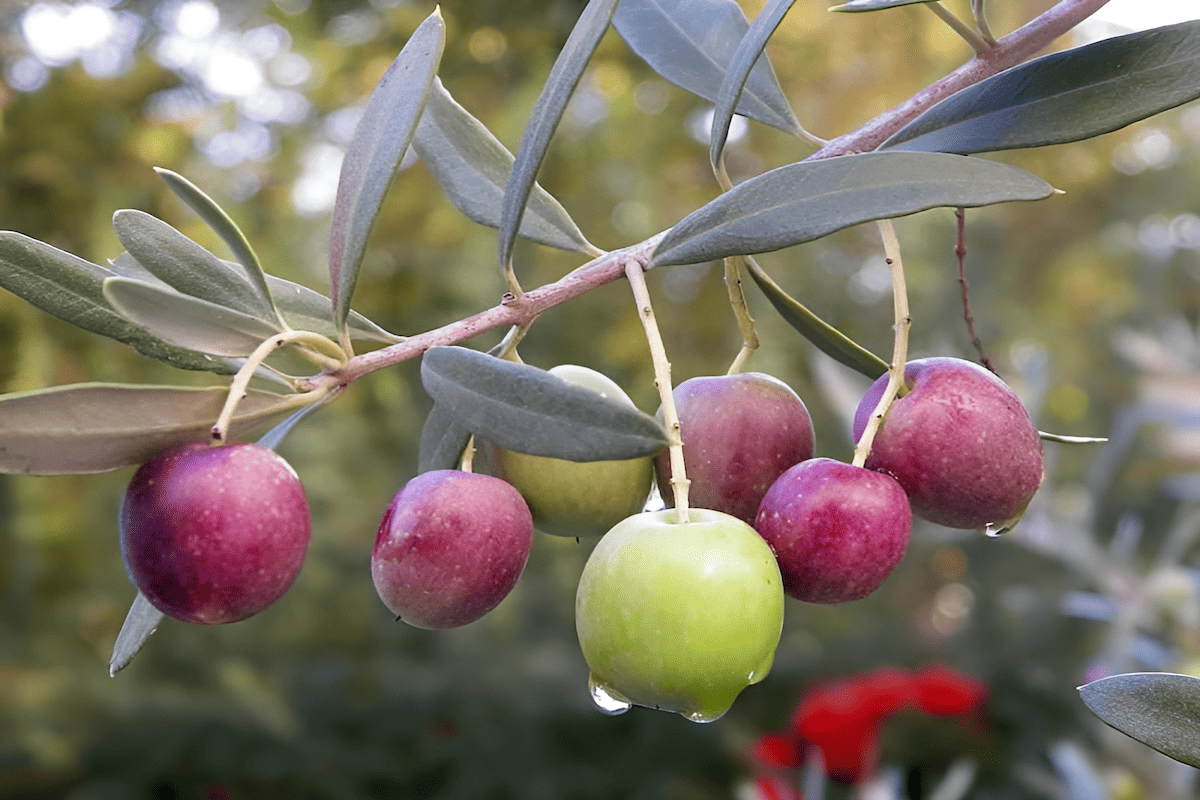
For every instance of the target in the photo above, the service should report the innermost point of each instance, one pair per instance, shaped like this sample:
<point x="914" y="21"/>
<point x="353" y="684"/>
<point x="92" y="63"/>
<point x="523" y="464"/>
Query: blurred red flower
<point x="843" y="721"/>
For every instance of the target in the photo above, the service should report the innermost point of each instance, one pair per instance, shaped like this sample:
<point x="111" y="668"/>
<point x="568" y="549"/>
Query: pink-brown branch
<point x="1009" y="51"/>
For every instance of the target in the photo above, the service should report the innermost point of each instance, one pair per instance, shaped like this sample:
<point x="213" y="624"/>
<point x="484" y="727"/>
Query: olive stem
<point x="978" y="43"/>
<point x="635" y="272"/>
<point x="467" y="463"/>
<point x="733" y="283"/>
<point x="960" y="252"/>
<point x="241" y="380"/>
<point x="891" y="249"/>
<point x="737" y="299"/>
<point x="607" y="267"/>
<point x="981" y="22"/>
<point x="507" y="348"/>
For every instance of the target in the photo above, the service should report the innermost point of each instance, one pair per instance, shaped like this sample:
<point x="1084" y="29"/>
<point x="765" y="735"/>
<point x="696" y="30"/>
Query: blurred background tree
<point x="1087" y="303"/>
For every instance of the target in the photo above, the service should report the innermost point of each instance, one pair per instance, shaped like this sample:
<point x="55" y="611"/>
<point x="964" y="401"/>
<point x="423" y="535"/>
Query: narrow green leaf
<point x="216" y="218"/>
<point x="443" y="441"/>
<point x="805" y="201"/>
<point x="374" y="154"/>
<point x="301" y="307"/>
<point x="875" y="5"/>
<point x="71" y="289"/>
<point x="528" y="410"/>
<point x="827" y="338"/>
<point x="187" y="321"/>
<point x="181" y="263"/>
<point x="126" y="266"/>
<point x="141" y="621"/>
<point x="97" y="427"/>
<point x="306" y="310"/>
<point x="1159" y="709"/>
<point x="745" y="59"/>
<point x="692" y="43"/>
<point x="1065" y="97"/>
<point x="472" y="167"/>
<point x="547" y="112"/>
<point x="274" y="437"/>
<point x="1062" y="438"/>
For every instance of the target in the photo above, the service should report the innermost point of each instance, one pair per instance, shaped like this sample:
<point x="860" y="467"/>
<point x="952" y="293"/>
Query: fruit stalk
<point x="737" y="299"/>
<point x="237" y="389"/>
<point x="960" y="252"/>
<point x="891" y="249"/>
<point x="662" y="381"/>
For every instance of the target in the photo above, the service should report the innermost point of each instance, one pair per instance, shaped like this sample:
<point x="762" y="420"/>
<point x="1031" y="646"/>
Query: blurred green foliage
<point x="325" y="695"/>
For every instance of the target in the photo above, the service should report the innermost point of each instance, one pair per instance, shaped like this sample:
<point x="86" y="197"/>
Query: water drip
<point x="704" y="716"/>
<point x="606" y="698"/>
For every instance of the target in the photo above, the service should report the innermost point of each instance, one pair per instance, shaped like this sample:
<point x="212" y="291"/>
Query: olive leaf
<point x="306" y="310"/>
<point x="376" y="149"/>
<point x="96" y="427"/>
<point x="187" y="321"/>
<point x="443" y="440"/>
<point x="472" y="167"/>
<point x="301" y="307"/>
<point x="875" y="5"/>
<point x="274" y="437"/>
<point x="692" y="43"/>
<point x="216" y="218"/>
<point x="810" y="199"/>
<point x="186" y="266"/>
<point x="528" y="410"/>
<point x="1064" y="97"/>
<point x="71" y="289"/>
<point x="126" y="266"/>
<point x="547" y="112"/>
<point x="141" y="621"/>
<point x="1159" y="709"/>
<point x="824" y="336"/>
<point x="743" y="62"/>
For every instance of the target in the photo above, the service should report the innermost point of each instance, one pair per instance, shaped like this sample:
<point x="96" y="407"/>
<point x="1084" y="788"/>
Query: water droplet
<point x="606" y="698"/>
<point x="995" y="529"/>
<point x="706" y="716"/>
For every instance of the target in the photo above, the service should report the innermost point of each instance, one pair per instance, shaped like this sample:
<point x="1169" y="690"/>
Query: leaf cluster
<point x="175" y="301"/>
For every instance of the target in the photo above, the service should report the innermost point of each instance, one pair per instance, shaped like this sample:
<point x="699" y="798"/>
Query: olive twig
<point x="237" y="389"/>
<point x="737" y="299"/>
<point x="981" y="22"/>
<point x="507" y="348"/>
<point x="891" y="249"/>
<point x="960" y="252"/>
<point x="733" y="282"/>
<point x="662" y="380"/>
